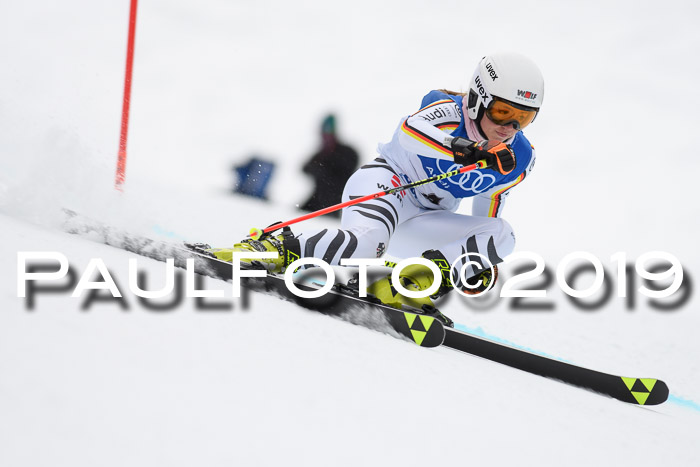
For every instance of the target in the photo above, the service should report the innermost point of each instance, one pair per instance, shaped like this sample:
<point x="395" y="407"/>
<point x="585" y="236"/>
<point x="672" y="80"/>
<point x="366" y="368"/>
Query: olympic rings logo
<point x="474" y="181"/>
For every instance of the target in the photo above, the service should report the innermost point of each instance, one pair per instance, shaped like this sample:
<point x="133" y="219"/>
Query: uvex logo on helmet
<point x="527" y="94"/>
<point x="492" y="72"/>
<point x="482" y="91"/>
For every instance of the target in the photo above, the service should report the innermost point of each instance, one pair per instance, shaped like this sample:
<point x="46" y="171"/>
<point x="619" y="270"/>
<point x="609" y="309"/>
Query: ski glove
<point x="498" y="156"/>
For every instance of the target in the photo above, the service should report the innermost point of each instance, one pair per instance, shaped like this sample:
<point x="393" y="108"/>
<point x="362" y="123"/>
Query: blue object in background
<point x="252" y="178"/>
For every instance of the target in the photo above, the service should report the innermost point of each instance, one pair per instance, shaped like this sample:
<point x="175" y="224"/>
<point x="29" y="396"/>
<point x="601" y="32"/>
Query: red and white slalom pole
<point x="121" y="158"/>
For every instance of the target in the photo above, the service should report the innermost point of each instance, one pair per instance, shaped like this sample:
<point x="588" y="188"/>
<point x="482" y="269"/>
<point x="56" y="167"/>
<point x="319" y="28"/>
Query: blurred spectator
<point x="253" y="177"/>
<point x="330" y="168"/>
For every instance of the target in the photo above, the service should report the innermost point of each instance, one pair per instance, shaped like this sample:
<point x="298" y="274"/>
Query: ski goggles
<point x="503" y="112"/>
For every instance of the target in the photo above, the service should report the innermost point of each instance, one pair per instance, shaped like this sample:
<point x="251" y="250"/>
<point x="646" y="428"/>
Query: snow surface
<point x="217" y="81"/>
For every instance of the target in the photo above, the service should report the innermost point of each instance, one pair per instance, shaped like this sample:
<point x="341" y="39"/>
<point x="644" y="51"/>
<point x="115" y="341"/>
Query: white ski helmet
<point x="508" y="76"/>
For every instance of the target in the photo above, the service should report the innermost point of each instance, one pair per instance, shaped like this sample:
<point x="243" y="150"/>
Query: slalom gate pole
<point x="121" y="158"/>
<point x="257" y="233"/>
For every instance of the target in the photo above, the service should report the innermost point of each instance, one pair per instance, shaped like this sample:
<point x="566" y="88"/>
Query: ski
<point x="425" y="330"/>
<point x="423" y="327"/>
<point x="420" y="326"/>
<point x="641" y="391"/>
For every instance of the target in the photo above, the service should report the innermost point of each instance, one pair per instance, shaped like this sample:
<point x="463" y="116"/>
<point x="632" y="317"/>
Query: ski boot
<point x="415" y="278"/>
<point x="284" y="244"/>
<point x="480" y="282"/>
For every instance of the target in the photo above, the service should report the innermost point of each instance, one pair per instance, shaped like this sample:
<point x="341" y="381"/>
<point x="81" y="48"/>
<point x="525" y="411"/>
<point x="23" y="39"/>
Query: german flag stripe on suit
<point x="496" y="197"/>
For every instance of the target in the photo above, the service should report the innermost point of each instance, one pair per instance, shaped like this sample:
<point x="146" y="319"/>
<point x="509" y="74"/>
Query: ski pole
<point x="257" y="233"/>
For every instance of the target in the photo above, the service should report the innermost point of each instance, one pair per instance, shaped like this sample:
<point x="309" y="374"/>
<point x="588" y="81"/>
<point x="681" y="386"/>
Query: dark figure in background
<point x="330" y="168"/>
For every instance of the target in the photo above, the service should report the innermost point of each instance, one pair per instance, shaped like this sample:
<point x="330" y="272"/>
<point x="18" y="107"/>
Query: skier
<point x="449" y="130"/>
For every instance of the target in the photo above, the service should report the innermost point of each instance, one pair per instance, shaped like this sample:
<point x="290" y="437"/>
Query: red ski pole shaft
<point x="257" y="233"/>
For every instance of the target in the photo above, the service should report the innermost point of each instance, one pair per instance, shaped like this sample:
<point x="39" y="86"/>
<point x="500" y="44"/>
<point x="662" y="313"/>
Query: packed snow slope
<point x="274" y="384"/>
<point x="112" y="383"/>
